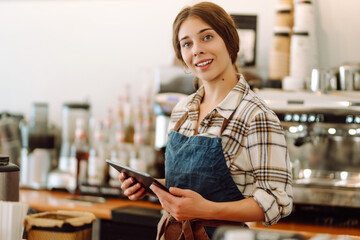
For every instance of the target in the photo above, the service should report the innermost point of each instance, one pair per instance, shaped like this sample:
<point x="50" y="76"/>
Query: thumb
<point x="180" y="192"/>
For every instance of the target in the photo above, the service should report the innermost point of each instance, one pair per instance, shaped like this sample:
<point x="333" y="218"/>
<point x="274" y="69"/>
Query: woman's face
<point x="203" y="50"/>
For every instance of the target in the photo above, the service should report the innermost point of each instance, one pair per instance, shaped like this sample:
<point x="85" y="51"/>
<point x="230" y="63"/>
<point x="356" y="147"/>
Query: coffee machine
<point x="38" y="152"/>
<point x="61" y="177"/>
<point x="10" y="135"/>
<point x="323" y="137"/>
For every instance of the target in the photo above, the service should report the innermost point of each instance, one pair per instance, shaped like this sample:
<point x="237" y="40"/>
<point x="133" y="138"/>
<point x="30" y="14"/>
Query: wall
<point x="58" y="51"/>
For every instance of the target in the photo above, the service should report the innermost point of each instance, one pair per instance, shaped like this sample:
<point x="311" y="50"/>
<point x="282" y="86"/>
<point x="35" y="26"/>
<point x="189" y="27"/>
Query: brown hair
<point x="217" y="18"/>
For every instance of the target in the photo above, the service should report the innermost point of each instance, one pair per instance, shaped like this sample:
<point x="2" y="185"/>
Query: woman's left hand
<point x="183" y="204"/>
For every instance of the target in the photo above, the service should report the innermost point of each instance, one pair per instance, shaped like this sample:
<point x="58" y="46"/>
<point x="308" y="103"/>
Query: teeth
<point x="203" y="63"/>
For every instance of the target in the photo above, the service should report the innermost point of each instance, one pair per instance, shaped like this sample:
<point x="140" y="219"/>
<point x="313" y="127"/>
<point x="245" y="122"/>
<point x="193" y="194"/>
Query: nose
<point x="198" y="53"/>
<point x="197" y="49"/>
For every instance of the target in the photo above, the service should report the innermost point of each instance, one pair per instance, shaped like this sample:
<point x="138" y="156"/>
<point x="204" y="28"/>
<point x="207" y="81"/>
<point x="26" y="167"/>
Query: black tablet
<point x="145" y="179"/>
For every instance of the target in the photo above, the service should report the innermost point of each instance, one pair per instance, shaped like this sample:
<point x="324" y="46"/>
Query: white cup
<point x="12" y="215"/>
<point x="290" y="83"/>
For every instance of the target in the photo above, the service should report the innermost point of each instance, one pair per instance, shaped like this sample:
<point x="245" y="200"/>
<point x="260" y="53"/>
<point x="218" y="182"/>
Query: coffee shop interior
<point x="88" y="80"/>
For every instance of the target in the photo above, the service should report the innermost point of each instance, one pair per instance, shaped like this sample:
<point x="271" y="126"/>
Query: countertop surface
<point x="44" y="200"/>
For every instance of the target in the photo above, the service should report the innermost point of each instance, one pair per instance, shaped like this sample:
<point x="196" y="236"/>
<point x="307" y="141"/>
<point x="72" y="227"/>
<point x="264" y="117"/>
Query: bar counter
<point x="44" y="200"/>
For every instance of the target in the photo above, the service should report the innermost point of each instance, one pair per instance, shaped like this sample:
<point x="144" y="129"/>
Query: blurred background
<point x="57" y="51"/>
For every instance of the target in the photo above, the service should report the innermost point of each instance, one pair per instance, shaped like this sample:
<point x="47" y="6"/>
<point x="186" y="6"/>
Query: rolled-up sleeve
<point x="269" y="157"/>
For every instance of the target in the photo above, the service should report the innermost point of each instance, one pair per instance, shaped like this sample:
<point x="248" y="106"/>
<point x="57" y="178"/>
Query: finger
<point x="137" y="195"/>
<point x="157" y="190"/>
<point x="165" y="198"/>
<point x="180" y="192"/>
<point x="127" y="183"/>
<point x="163" y="203"/>
<point x="133" y="189"/>
<point x="122" y="176"/>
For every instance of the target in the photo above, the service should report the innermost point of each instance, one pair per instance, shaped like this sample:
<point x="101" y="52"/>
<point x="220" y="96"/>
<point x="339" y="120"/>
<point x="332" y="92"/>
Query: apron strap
<point x="180" y="122"/>
<point x="225" y="123"/>
<point x="169" y="228"/>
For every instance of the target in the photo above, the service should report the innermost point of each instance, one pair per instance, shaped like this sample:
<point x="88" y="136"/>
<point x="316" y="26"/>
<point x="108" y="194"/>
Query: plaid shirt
<point x="253" y="144"/>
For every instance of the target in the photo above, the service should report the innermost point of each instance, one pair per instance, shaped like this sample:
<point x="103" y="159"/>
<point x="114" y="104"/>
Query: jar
<point x="9" y="180"/>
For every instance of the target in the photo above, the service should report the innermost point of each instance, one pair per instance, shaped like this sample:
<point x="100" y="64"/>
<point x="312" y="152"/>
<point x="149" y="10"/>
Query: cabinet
<point x="131" y="222"/>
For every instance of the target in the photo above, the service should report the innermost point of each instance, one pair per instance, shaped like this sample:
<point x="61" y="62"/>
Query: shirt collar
<point x="230" y="102"/>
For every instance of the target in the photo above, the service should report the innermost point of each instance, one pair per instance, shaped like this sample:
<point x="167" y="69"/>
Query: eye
<point x="186" y="44"/>
<point x="208" y="37"/>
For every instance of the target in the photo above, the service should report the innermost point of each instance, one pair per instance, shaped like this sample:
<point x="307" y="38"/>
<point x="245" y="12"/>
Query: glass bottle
<point x="71" y="112"/>
<point x="128" y="115"/>
<point x="137" y="156"/>
<point x="79" y="156"/>
<point x="107" y="126"/>
<point x="119" y="152"/>
<point x="97" y="171"/>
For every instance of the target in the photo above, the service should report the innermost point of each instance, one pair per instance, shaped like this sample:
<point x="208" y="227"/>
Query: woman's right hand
<point x="131" y="190"/>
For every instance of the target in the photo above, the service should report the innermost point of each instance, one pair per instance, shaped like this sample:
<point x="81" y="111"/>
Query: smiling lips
<point x="204" y="63"/>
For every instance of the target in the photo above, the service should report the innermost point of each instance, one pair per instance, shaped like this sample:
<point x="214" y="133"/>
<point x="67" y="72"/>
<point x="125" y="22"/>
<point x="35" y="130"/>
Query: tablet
<point x="145" y="179"/>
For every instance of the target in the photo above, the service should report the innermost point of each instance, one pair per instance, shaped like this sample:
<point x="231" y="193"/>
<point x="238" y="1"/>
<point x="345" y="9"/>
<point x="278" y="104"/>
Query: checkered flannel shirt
<point x="253" y="144"/>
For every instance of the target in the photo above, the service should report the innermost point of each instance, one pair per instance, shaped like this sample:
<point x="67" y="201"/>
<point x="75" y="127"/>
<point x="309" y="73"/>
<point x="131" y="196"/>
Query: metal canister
<point x="9" y="179"/>
<point x="349" y="76"/>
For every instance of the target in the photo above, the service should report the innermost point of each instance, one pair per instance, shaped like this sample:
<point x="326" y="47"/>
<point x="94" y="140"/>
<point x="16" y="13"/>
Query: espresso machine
<point x="323" y="138"/>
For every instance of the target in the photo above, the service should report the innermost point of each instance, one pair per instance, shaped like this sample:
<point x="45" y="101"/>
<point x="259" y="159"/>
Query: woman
<point x="226" y="156"/>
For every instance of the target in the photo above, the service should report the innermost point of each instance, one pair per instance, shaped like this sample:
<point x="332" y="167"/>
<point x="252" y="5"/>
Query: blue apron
<point x="198" y="163"/>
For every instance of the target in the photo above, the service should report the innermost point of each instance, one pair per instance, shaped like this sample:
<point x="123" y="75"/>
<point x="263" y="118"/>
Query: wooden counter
<point x="43" y="200"/>
<point x="308" y="230"/>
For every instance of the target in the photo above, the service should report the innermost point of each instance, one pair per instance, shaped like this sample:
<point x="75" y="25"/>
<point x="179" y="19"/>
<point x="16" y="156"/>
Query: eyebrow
<point x="201" y="31"/>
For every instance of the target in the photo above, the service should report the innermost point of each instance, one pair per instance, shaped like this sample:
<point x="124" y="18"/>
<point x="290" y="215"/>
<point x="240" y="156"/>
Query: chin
<point x="207" y="77"/>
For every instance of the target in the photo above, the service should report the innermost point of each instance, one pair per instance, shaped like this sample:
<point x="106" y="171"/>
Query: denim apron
<point x="197" y="163"/>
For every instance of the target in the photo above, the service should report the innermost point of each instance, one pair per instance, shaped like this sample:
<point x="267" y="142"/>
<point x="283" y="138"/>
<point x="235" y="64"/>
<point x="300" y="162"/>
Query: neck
<point x="217" y="90"/>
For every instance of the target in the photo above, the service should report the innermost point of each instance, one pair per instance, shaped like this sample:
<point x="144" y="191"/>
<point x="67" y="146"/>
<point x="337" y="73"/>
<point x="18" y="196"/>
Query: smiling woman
<point x="226" y="156"/>
<point x="218" y="24"/>
<point x="201" y="48"/>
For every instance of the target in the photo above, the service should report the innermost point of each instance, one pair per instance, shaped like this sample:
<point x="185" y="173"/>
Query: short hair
<point x="217" y="18"/>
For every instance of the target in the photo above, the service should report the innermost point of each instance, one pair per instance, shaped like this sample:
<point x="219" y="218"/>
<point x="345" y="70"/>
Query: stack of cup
<point x="284" y="15"/>
<point x="303" y="48"/>
<point x="12" y="215"/>
<point x="280" y="48"/>
<point x="279" y="54"/>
